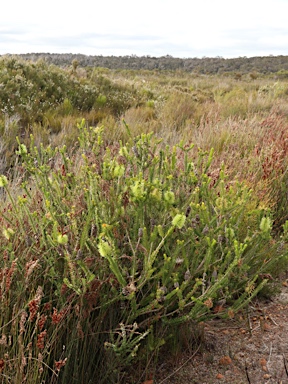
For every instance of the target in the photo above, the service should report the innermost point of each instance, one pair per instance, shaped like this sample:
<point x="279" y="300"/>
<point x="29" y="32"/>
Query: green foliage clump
<point x="108" y="248"/>
<point x="29" y="90"/>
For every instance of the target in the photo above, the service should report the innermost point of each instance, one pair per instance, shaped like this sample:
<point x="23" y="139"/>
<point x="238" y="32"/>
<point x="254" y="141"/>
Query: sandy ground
<point x="251" y="348"/>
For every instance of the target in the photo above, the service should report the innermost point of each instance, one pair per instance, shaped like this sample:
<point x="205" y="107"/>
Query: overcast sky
<point x="181" y="28"/>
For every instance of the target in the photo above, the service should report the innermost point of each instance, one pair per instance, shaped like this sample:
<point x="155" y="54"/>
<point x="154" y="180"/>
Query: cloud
<point x="182" y="29"/>
<point x="87" y="43"/>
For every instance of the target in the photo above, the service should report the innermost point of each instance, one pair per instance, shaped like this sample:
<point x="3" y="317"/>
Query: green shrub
<point x="32" y="90"/>
<point x="109" y="248"/>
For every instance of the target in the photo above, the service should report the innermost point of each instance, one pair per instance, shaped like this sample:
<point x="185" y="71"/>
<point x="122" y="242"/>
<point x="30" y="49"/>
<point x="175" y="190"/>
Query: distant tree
<point x="244" y="65"/>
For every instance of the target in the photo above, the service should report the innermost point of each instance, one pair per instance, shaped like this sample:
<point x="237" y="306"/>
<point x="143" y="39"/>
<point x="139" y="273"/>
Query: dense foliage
<point x="31" y="89"/>
<point x="107" y="250"/>
<point x="116" y="241"/>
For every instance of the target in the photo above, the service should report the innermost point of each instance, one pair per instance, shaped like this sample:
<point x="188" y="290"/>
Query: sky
<point x="180" y="28"/>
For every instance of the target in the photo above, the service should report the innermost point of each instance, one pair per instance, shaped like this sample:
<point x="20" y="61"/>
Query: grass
<point x="115" y="239"/>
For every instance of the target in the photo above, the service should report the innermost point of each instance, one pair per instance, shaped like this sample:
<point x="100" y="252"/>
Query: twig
<point x="285" y="365"/>
<point x="178" y="369"/>
<point x="270" y="352"/>
<point x="273" y="321"/>
<point x="258" y="326"/>
<point x="246" y="371"/>
<point x="250" y="328"/>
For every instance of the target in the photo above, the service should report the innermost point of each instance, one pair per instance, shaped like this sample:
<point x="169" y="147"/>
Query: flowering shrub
<point x="108" y="247"/>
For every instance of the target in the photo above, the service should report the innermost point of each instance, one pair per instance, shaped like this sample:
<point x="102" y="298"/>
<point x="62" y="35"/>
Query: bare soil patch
<point x="251" y="348"/>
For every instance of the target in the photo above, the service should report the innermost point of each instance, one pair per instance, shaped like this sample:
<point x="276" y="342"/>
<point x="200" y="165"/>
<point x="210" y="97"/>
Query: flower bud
<point x="62" y="239"/>
<point x="179" y="220"/>
<point x="169" y="197"/>
<point x="3" y="181"/>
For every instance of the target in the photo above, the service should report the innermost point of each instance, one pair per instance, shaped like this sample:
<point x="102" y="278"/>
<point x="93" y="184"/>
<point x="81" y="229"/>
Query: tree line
<point x="205" y="65"/>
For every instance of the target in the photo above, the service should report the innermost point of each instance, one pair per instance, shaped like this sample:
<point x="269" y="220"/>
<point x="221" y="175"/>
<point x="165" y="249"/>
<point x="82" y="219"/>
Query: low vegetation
<point x="134" y="205"/>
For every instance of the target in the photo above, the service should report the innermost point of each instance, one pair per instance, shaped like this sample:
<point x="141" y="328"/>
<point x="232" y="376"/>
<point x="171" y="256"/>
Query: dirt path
<point x="251" y="348"/>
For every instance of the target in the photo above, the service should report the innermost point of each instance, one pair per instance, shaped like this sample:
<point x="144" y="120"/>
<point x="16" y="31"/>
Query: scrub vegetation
<point x="135" y="205"/>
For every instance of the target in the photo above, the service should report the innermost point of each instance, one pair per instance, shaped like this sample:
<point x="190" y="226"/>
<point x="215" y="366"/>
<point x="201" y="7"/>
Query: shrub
<point x="109" y="248"/>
